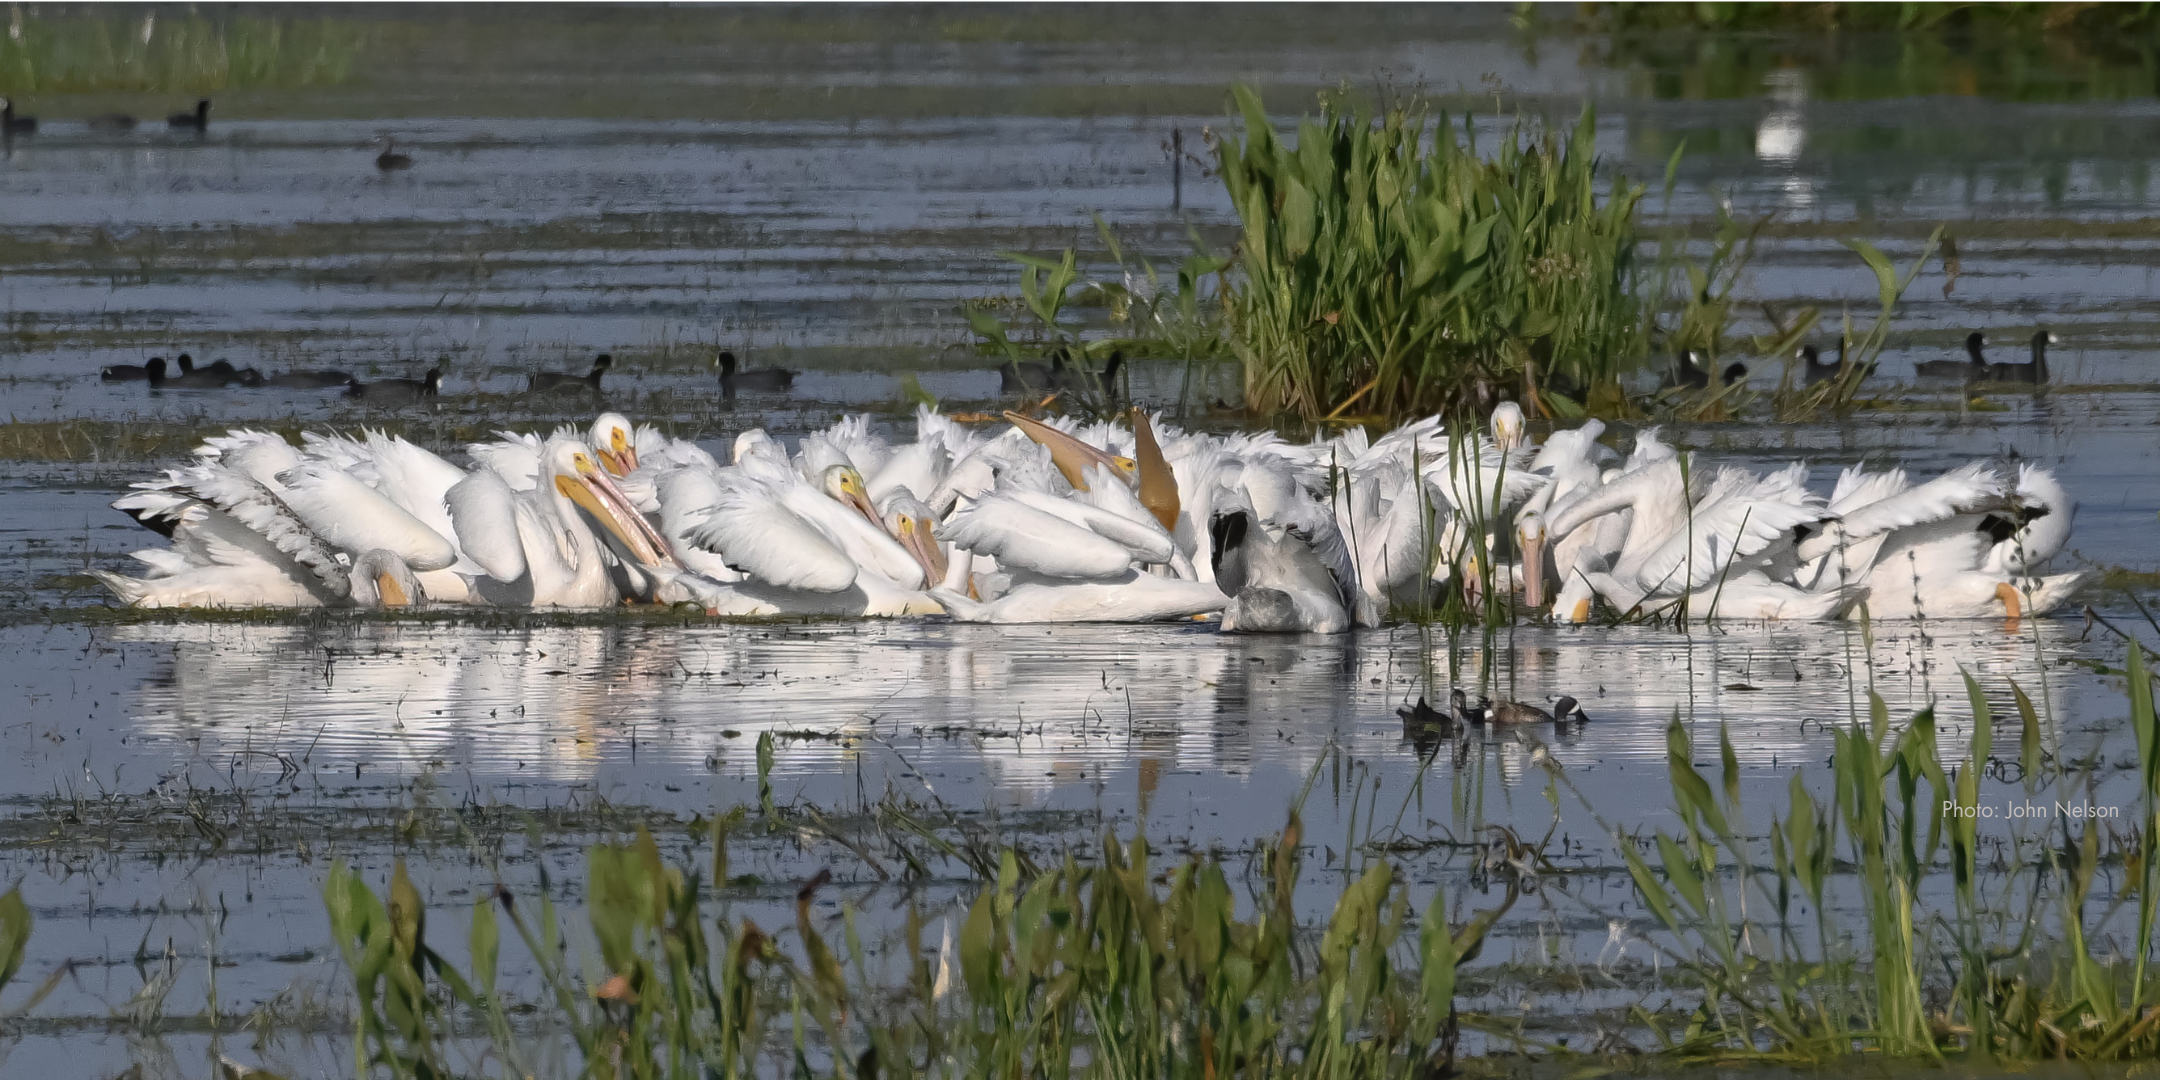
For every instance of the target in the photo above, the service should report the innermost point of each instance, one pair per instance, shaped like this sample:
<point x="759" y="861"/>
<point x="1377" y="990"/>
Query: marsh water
<point x="821" y="191"/>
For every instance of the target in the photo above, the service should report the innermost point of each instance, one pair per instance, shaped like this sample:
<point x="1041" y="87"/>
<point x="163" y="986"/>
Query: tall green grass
<point x="1110" y="968"/>
<point x="171" y="51"/>
<point x="2022" y="971"/>
<point x="1389" y="267"/>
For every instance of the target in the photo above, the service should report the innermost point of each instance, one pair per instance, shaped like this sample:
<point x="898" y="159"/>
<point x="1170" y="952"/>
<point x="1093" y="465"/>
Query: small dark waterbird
<point x="1422" y="719"/>
<point x="130" y="372"/>
<point x="1688" y="372"/>
<point x="1463" y="711"/>
<point x="1509" y="713"/>
<point x="1974" y="367"/>
<point x="390" y="160"/>
<point x="547" y="381"/>
<point x="398" y="391"/>
<point x="2032" y="373"/>
<point x="1026" y="376"/>
<point x="213" y="377"/>
<point x="1080" y="378"/>
<point x="1058" y="373"/>
<point x="734" y="381"/>
<point x="1819" y="372"/>
<point x="309" y="380"/>
<point x="197" y="120"/>
<point x="111" y="122"/>
<point x="11" y="124"/>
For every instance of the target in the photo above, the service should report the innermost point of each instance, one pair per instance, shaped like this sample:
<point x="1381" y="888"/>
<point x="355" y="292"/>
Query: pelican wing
<point x="1021" y="537"/>
<point x="253" y="506"/>
<point x="514" y="457"/>
<point x="1973" y="487"/>
<point x="261" y="455"/>
<point x="355" y="517"/>
<point x="483" y="516"/>
<point x="750" y="527"/>
<point x="415" y="479"/>
<point x="1111" y="510"/>
<point x="1720" y="534"/>
<point x="1857" y="487"/>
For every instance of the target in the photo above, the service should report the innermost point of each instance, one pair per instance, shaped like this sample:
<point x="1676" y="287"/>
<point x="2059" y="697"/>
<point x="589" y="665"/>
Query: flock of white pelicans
<point x="1053" y="521"/>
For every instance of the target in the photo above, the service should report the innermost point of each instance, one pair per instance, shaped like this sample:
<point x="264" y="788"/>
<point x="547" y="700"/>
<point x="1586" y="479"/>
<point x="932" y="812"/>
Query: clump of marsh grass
<point x="1906" y="981"/>
<point x="1100" y="965"/>
<point x="1389" y="268"/>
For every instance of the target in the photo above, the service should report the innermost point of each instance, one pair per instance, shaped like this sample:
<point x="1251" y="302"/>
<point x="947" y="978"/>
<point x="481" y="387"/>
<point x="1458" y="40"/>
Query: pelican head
<point x="1507" y="425"/>
<point x="1530" y="540"/>
<point x="843" y="483"/>
<point x="380" y="578"/>
<point x="616" y="442"/>
<point x="579" y="479"/>
<point x="912" y="523"/>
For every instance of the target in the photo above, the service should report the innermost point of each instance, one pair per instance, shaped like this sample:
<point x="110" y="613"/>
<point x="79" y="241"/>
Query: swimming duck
<point x="111" y="122"/>
<point x="2033" y="373"/>
<point x="213" y="377"/>
<point x="1522" y="712"/>
<point x="130" y="372"/>
<point x="197" y="120"/>
<point x="390" y="160"/>
<point x="309" y="380"/>
<point x="11" y="124"/>
<point x="761" y="381"/>
<point x="1689" y="373"/>
<point x="398" y="391"/>
<point x="590" y="382"/>
<point x="1422" y="719"/>
<point x="1974" y="366"/>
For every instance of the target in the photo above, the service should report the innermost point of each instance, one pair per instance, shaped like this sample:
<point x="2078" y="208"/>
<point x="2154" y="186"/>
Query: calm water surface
<point x="825" y="199"/>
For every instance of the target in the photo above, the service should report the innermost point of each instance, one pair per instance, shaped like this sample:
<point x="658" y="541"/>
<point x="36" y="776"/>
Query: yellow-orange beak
<point x="597" y="495"/>
<point x="915" y="535"/>
<point x="1072" y="457"/>
<point x="619" y="456"/>
<point x="393" y="595"/>
<point x="2011" y="602"/>
<point x="1158" y="485"/>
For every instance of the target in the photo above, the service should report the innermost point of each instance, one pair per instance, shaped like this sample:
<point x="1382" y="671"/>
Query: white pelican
<point x="1685" y="533"/>
<point x="790" y="548"/>
<point x="1078" y="555"/>
<point x="2033" y="527"/>
<point x="536" y="544"/>
<point x="1277" y="581"/>
<point x="233" y="545"/>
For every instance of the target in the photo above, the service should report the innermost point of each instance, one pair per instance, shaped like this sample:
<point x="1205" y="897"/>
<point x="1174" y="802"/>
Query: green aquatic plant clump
<point x="164" y="52"/>
<point x="1389" y="268"/>
<point x="1108" y="968"/>
<point x="2028" y="962"/>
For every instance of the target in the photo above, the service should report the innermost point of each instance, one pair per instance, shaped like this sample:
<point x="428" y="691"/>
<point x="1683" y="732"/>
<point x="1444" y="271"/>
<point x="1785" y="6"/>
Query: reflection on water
<point x="1013" y="716"/>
